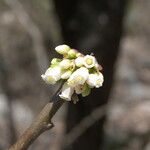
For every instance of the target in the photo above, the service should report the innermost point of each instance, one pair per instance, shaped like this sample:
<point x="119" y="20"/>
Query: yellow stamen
<point x="89" y="61"/>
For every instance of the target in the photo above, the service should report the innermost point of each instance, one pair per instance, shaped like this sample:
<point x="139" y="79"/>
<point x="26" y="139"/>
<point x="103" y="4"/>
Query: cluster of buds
<point x="80" y="72"/>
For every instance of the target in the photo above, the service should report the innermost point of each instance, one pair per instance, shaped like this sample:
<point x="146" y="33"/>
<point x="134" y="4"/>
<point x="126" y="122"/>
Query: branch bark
<point x="41" y="124"/>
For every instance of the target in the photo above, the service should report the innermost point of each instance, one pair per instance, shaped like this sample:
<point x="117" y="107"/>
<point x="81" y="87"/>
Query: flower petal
<point x="89" y="61"/>
<point x="67" y="92"/>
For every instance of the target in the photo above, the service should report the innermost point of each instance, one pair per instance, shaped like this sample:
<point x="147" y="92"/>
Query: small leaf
<point x="86" y="90"/>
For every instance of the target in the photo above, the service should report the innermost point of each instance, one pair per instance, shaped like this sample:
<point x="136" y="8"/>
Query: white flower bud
<point x="95" y="80"/>
<point x="67" y="92"/>
<point x="78" y="77"/>
<point x="66" y="75"/>
<point x="65" y="63"/>
<point x="62" y="49"/>
<point x="79" y="61"/>
<point x="52" y="75"/>
<point x="89" y="61"/>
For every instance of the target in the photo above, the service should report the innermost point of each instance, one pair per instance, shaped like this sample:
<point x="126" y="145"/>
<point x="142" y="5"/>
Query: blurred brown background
<point x="116" y="31"/>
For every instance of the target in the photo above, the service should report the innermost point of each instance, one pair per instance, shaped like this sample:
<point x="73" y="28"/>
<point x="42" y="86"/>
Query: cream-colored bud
<point x="79" y="61"/>
<point x="62" y="49"/>
<point x="65" y="63"/>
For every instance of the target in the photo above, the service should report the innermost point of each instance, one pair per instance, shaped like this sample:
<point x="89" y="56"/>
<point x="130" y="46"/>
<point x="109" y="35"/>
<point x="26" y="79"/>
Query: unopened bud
<point x="62" y="49"/>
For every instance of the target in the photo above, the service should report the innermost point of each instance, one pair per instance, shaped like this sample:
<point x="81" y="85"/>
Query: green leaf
<point x="86" y="90"/>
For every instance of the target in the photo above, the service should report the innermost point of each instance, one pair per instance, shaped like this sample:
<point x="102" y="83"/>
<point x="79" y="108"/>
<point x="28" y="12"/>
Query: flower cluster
<point x="79" y="72"/>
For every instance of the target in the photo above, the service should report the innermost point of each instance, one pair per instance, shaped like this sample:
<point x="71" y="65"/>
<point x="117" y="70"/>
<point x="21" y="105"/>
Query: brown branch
<point x="41" y="124"/>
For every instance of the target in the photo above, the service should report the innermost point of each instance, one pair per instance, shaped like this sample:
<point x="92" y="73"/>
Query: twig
<point x="84" y="125"/>
<point x="41" y="124"/>
<point x="32" y="29"/>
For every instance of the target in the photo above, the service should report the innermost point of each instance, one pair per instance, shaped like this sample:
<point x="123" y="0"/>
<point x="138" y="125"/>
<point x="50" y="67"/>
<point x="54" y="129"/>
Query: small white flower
<point x="66" y="75"/>
<point x="78" y="77"/>
<point x="67" y="92"/>
<point x="65" y="63"/>
<point x="52" y="75"/>
<point x="79" y="61"/>
<point x="95" y="80"/>
<point x="89" y="61"/>
<point x="62" y="49"/>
